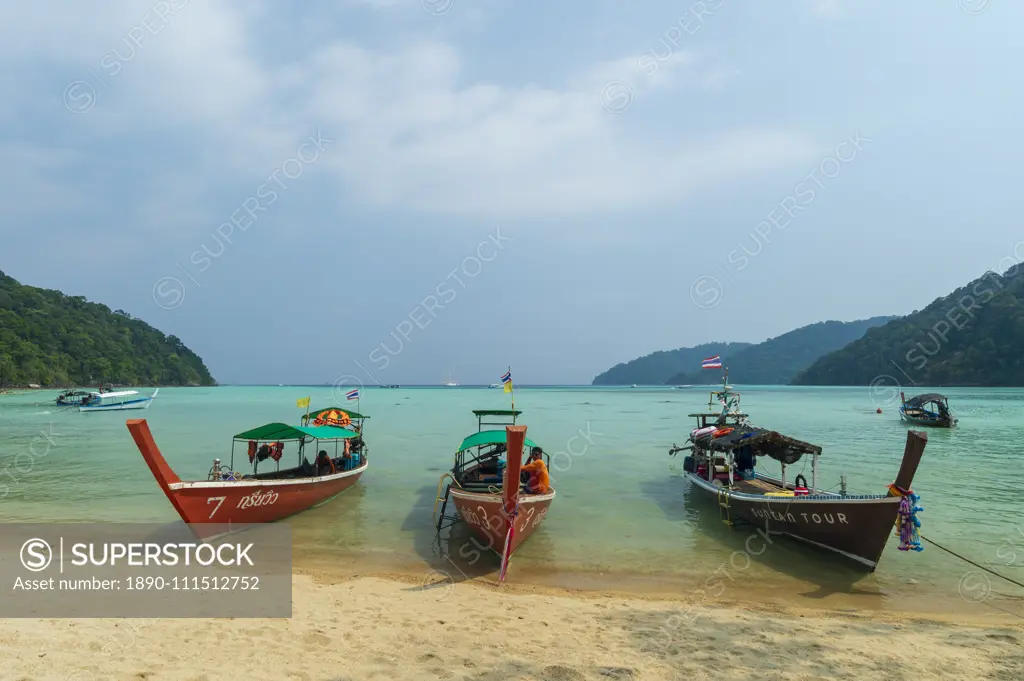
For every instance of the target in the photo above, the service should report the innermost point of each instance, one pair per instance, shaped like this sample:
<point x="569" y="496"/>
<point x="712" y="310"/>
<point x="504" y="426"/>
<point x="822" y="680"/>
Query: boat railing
<point x="480" y="423"/>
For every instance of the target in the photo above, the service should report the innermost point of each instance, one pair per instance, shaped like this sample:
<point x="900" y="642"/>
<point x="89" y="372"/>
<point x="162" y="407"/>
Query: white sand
<point x="377" y="629"/>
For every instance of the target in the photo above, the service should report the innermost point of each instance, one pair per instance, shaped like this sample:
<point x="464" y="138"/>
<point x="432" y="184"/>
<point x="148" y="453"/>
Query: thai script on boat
<point x="536" y="518"/>
<point x="815" y="518"/>
<point x="480" y="518"/>
<point x="257" y="498"/>
<point x="492" y="524"/>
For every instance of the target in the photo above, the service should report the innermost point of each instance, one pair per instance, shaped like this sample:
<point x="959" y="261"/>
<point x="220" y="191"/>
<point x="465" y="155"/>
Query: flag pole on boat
<point x="355" y="394"/>
<point x="304" y="402"/>
<point x="507" y="382"/>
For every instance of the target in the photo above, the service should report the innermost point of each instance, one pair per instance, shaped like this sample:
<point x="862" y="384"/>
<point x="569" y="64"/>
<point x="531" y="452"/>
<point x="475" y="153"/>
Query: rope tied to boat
<point x="907" y="523"/>
<point x="971" y="562"/>
<point x="907" y="513"/>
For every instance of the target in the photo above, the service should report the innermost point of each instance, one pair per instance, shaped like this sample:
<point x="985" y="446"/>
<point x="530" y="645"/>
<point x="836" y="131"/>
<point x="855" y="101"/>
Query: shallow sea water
<point x="623" y="519"/>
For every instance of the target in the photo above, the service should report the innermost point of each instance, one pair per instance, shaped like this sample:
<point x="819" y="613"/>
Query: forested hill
<point x="52" y="339"/>
<point x="656" y="368"/>
<point x="972" y="337"/>
<point x="777" y="361"/>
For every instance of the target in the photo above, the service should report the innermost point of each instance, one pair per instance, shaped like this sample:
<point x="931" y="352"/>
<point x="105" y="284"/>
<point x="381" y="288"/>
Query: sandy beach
<point x="373" y="628"/>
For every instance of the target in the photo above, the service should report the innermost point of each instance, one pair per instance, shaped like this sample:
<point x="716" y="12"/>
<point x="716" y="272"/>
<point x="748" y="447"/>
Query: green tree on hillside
<point x="972" y="337"/>
<point x="49" y="338"/>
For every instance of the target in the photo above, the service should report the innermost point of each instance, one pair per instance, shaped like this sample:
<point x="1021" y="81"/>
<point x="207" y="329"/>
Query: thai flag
<point x="352" y="394"/>
<point x="712" y="363"/>
<point x="507" y="378"/>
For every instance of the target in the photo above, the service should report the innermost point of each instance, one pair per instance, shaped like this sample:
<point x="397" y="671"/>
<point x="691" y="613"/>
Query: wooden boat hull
<point x="932" y="423"/>
<point x="216" y="503"/>
<point x="855" y="527"/>
<point x="485" y="516"/>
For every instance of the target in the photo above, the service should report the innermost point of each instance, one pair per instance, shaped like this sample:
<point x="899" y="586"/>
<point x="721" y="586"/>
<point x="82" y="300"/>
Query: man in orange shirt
<point x="540" y="482"/>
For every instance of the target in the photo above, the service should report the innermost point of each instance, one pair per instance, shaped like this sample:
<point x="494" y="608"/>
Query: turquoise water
<point x="622" y="518"/>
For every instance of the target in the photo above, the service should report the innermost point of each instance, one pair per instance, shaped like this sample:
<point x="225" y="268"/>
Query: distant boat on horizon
<point x="448" y="382"/>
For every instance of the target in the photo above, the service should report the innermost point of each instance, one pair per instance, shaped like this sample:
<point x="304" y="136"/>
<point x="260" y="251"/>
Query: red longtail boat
<point x="229" y="497"/>
<point x="487" y="492"/>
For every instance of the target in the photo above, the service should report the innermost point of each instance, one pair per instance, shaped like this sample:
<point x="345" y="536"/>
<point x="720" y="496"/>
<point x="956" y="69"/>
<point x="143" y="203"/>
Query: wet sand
<point x="432" y="628"/>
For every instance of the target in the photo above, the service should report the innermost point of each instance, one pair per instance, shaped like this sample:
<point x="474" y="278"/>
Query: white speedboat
<point x="116" y="401"/>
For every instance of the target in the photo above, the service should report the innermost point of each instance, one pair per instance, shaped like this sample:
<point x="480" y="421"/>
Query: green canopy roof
<point x="497" y="412"/>
<point x="282" y="431"/>
<point x="488" y="437"/>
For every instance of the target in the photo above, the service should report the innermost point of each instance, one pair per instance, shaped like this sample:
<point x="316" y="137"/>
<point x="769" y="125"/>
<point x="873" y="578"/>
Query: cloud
<point x="414" y="131"/>
<point x="37" y="180"/>
<point x="829" y="9"/>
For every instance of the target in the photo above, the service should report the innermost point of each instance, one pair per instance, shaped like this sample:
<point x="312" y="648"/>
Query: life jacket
<point x="276" y="451"/>
<point x="252" y="450"/>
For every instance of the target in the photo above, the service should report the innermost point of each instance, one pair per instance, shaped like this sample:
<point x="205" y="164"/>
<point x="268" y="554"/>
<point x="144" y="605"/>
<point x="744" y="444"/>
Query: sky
<point x="396" y="190"/>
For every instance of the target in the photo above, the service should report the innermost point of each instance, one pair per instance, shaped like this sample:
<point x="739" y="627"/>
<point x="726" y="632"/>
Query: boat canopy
<point x="333" y="417"/>
<point x="497" y="412"/>
<point x="922" y="400"/>
<point x="319" y="413"/>
<point x="763" y="442"/>
<point x="121" y="393"/>
<point x="489" y="437"/>
<point x="278" y="432"/>
<point x="717" y="414"/>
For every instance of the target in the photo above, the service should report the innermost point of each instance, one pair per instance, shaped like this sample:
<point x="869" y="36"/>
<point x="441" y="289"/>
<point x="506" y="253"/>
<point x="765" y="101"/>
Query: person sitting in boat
<point x="491" y="464"/>
<point x="263" y="453"/>
<point x="348" y="459"/>
<point x="324" y="465"/>
<point x="745" y="460"/>
<point x="539" y="481"/>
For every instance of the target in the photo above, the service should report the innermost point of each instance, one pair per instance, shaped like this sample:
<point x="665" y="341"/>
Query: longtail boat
<point x="229" y="497"/>
<point x="725" y="448"/>
<point x="487" y="492"/>
<point x="927" y="410"/>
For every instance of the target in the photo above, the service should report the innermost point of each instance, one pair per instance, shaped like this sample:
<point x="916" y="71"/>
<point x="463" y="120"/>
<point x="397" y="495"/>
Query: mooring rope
<point x="968" y="560"/>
